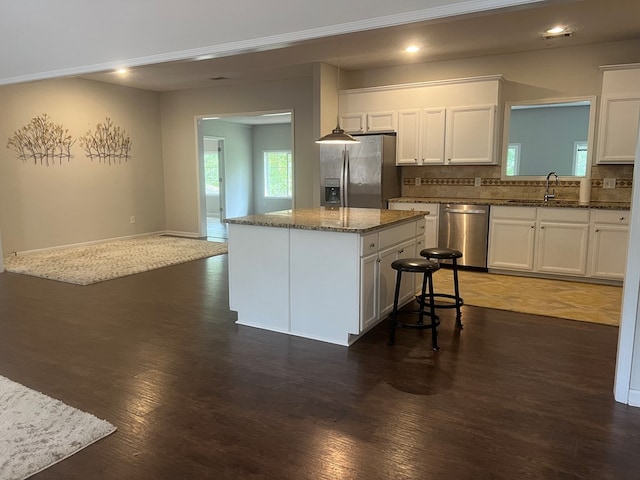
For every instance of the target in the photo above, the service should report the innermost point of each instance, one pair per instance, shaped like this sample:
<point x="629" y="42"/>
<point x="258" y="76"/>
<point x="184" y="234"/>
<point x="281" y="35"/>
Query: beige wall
<point x="179" y="110"/>
<point x="80" y="200"/>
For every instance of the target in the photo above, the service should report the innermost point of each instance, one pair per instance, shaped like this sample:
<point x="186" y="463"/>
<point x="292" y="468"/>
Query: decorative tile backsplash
<point x="459" y="182"/>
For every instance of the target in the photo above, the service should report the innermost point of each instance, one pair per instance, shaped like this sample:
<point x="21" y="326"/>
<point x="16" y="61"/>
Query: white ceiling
<point x="509" y="30"/>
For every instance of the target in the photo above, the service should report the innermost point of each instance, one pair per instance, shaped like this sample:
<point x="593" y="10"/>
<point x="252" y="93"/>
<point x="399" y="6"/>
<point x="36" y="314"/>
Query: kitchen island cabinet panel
<point x="324" y="272"/>
<point x="316" y="273"/>
<point x="266" y="283"/>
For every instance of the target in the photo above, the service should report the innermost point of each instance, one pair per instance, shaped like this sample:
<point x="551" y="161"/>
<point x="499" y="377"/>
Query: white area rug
<point x="105" y="261"/>
<point x="37" y="431"/>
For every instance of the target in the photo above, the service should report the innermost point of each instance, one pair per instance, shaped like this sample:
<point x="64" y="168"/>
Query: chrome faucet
<point x="547" y="195"/>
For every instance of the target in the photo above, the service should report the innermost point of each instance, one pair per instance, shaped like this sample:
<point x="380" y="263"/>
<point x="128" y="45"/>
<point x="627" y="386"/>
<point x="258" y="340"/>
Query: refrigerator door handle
<point x="345" y="173"/>
<point x="342" y="181"/>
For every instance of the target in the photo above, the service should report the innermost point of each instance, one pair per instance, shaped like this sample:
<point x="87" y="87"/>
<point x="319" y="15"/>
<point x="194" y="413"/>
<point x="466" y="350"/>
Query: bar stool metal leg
<point x="394" y="312"/>
<point x="432" y="310"/>
<point x="457" y="292"/>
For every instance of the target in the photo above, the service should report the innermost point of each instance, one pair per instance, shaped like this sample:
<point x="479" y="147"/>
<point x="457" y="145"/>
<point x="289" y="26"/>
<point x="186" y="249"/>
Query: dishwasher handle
<point x="458" y="210"/>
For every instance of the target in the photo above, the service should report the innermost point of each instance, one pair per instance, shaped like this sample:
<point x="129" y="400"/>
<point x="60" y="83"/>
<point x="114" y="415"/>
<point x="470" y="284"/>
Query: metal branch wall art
<point x="107" y="144"/>
<point x="42" y="140"/>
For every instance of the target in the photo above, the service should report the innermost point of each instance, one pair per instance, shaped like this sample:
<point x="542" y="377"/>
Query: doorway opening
<point x="213" y="154"/>
<point x="246" y="167"/>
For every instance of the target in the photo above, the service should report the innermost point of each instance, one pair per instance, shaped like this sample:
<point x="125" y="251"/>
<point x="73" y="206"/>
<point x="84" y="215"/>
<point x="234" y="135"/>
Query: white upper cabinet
<point x="444" y="122"/>
<point x="470" y="135"/>
<point x="381" y="121"/>
<point x="373" y="122"/>
<point x="408" y="144"/>
<point x="432" y="135"/>
<point x="619" y="114"/>
<point x="353" y="122"/>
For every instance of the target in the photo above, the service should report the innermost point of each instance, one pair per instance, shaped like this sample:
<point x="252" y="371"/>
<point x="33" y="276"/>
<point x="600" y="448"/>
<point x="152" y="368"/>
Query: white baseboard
<point x="183" y="234"/>
<point x="84" y="244"/>
<point x="634" y="398"/>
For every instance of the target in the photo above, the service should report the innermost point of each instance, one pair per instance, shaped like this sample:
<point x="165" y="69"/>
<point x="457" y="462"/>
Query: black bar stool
<point x="426" y="267"/>
<point x="441" y="253"/>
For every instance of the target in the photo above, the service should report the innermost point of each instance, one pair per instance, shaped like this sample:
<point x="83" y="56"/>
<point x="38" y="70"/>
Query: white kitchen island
<point x="320" y="273"/>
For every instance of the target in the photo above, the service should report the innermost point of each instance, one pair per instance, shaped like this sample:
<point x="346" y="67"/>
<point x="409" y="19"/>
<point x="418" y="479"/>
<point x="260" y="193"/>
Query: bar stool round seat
<point x="444" y="253"/>
<point x="426" y="268"/>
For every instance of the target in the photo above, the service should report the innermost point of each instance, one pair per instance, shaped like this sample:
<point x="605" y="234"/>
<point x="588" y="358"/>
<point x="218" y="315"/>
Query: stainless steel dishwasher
<point x="465" y="228"/>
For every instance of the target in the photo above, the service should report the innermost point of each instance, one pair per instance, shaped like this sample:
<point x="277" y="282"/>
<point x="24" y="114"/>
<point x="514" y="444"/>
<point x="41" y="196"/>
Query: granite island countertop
<point x="339" y="219"/>
<point x="523" y="202"/>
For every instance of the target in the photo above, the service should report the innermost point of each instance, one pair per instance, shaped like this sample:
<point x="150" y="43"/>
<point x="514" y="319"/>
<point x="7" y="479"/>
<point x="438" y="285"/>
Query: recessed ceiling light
<point x="556" y="30"/>
<point x="412" y="49"/>
<point x="122" y="71"/>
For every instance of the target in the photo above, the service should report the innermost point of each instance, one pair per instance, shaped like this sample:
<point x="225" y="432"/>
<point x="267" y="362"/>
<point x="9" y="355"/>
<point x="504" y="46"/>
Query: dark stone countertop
<point x="515" y="202"/>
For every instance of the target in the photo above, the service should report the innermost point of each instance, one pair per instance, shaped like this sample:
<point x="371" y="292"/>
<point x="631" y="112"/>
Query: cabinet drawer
<point x="397" y="234"/>
<point x="571" y="215"/>
<point x="430" y="209"/>
<point x="369" y="244"/>
<point x="618" y="217"/>
<point x="515" y="213"/>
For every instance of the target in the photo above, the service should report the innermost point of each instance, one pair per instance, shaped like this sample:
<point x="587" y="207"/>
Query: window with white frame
<point x="278" y="174"/>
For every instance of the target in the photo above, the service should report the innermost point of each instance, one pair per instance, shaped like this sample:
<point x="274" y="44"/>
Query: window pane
<point x="580" y="159"/>
<point x="278" y="177"/>
<point x="211" y="173"/>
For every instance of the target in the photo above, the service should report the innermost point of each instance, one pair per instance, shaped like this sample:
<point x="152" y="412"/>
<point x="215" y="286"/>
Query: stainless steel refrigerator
<point x="362" y="175"/>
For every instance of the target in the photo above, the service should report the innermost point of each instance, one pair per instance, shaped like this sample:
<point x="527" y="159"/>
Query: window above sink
<point x="550" y="135"/>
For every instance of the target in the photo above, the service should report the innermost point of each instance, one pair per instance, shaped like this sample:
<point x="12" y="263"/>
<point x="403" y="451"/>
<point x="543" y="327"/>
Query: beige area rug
<point x="554" y="298"/>
<point x="105" y="261"/>
<point x="37" y="431"/>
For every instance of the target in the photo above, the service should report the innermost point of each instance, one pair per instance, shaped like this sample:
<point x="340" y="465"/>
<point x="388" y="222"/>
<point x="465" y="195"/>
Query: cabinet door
<point x="381" y="122"/>
<point x="432" y="135"/>
<point x="562" y="248"/>
<point x="470" y="135"/>
<point x="387" y="276"/>
<point x="368" y="291"/>
<point x="407" y="289"/>
<point x="511" y="244"/>
<point x="618" y="133"/>
<point x="353" y="122"/>
<point x="609" y="251"/>
<point x="408" y="137"/>
<point x="430" y="233"/>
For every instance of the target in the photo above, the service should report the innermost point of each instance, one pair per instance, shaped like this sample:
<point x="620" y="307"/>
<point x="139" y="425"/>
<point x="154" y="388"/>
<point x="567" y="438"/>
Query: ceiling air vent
<point x="215" y="79"/>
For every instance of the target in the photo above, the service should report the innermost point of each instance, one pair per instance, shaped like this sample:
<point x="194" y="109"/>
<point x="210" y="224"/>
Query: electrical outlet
<point x="132" y="219"/>
<point x="477" y="182"/>
<point x="609" y="183"/>
<point x="418" y="181"/>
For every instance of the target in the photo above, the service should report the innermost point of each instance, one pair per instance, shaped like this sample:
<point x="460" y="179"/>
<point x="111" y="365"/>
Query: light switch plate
<point x="609" y="183"/>
<point x="477" y="182"/>
<point x="418" y="181"/>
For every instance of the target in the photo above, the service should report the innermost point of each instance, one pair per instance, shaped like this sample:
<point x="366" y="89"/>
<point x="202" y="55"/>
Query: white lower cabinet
<point x="559" y="241"/>
<point x="369" y="281"/>
<point x="609" y="244"/>
<point x="378" y="279"/>
<point x="562" y="248"/>
<point x="512" y="232"/>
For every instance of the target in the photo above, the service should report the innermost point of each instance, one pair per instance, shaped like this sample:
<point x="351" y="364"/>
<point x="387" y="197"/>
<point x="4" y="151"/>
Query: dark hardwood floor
<point x="194" y="396"/>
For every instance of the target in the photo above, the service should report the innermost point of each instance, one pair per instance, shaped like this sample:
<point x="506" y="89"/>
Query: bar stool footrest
<point x="457" y="302"/>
